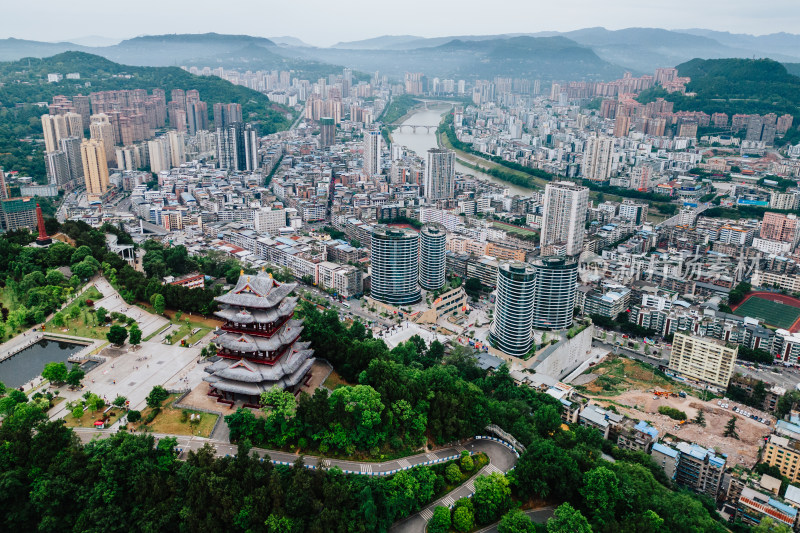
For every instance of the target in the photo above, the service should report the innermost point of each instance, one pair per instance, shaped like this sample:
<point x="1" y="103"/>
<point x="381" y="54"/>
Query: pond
<point x="27" y="364"/>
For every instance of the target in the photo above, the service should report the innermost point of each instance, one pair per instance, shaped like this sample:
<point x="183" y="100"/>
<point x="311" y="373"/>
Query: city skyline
<point x="415" y="18"/>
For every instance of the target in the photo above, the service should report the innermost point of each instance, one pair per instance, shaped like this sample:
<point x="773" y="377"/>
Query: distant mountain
<point x="384" y="42"/>
<point x="12" y="49"/>
<point x="787" y="44"/>
<point x="645" y="49"/>
<point x="543" y="57"/>
<point x="288" y="41"/>
<point x="94" y="40"/>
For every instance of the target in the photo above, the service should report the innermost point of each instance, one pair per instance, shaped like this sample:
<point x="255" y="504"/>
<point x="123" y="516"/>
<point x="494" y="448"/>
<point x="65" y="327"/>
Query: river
<point x="422" y="141"/>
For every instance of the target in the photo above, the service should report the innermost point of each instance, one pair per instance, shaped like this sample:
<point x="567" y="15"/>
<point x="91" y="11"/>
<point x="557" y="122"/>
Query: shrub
<point x="467" y="464"/>
<point x="134" y="416"/>
<point x="453" y="474"/>
<point x="440" y="521"/>
<point x="675" y="414"/>
<point x="463" y="519"/>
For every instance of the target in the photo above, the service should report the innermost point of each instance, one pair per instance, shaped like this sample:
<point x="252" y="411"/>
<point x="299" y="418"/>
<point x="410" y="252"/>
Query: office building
<point x="270" y="221"/>
<point x="395" y="265"/>
<point x="704" y="359"/>
<point x="440" y="174"/>
<point x="555" y="286"/>
<point x="510" y="331"/>
<point x="95" y="167"/>
<point x="564" y="215"/>
<point x="598" y="158"/>
<point x="433" y="239"/>
<point x="57" y="167"/>
<point x="327" y="132"/>
<point x="372" y="152"/>
<point x="237" y="147"/>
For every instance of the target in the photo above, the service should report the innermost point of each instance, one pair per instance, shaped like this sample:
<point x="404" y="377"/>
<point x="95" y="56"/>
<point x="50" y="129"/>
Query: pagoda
<point x="43" y="239"/>
<point x="259" y="344"/>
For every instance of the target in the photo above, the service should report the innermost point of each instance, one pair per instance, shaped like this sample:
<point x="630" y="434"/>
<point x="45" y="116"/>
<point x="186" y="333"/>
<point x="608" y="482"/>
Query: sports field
<point x="775" y="313"/>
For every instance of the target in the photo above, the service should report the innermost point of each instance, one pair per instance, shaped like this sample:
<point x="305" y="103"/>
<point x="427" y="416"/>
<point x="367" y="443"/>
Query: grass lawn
<point x="88" y="419"/>
<point x="170" y="420"/>
<point x="334" y="381"/>
<point x="510" y="228"/>
<point x="178" y="334"/>
<point x="85" y="324"/>
<point x="775" y="314"/>
<point x="202" y="332"/>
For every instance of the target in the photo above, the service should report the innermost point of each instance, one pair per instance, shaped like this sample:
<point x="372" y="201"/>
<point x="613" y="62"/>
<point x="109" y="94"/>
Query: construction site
<point x="637" y="390"/>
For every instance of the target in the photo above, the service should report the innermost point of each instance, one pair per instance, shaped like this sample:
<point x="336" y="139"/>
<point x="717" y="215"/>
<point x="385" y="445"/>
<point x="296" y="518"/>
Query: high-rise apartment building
<point x="57" y="167"/>
<point x="511" y="331"/>
<point x="54" y="128"/>
<point x="71" y="146"/>
<point x="227" y="114"/>
<point x="270" y="221"/>
<point x="395" y="265"/>
<point x="372" y="152"/>
<point x="555" y="288"/>
<point x="440" y="174"/>
<point x="433" y="244"/>
<point x="598" y="158"/>
<point x="237" y="147"/>
<point x="703" y="358"/>
<point x="563" y="218"/>
<point x="327" y="132"/>
<point x="95" y="167"/>
<point x="622" y="125"/>
<point x="101" y="129"/>
<point x="779" y="227"/>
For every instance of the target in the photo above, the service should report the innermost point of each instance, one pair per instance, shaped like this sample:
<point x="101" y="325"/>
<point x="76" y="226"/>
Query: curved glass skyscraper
<point x="433" y="239"/>
<point x="513" y="314"/>
<point x="554" y="295"/>
<point x="395" y="265"/>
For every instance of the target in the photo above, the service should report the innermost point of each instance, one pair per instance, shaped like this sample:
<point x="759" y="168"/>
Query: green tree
<point x="730" y="429"/>
<point x="452" y="474"/>
<point x="101" y="314"/>
<point x="55" y="372"/>
<point x="134" y="416"/>
<point x="768" y="525"/>
<point x="157" y="300"/>
<point x="157" y="396"/>
<point x="601" y="493"/>
<point x="463" y="519"/>
<point x="117" y="335"/>
<point x="492" y="497"/>
<point x="75" y="376"/>
<point x="440" y="521"/>
<point x="94" y="402"/>
<point x="700" y="419"/>
<point x="135" y="335"/>
<point x="242" y="424"/>
<point x="119" y="401"/>
<point x="567" y="519"/>
<point x="77" y="412"/>
<point x="515" y="521"/>
<point x="473" y="287"/>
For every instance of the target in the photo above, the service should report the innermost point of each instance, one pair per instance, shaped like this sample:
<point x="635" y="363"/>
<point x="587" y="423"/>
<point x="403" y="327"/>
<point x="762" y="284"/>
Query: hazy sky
<point x="324" y="22"/>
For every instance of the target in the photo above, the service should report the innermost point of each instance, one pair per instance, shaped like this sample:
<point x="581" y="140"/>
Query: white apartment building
<point x="703" y="358"/>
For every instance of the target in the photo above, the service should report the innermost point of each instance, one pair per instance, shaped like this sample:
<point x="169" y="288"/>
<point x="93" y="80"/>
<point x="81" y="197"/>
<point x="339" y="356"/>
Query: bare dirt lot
<point x="639" y="404"/>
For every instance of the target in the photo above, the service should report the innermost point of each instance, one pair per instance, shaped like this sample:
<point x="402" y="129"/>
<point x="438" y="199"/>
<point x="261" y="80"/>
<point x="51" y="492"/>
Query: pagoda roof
<point x="253" y="343"/>
<point x="247" y="377"/>
<point x="259" y="316"/>
<point x="260" y="291"/>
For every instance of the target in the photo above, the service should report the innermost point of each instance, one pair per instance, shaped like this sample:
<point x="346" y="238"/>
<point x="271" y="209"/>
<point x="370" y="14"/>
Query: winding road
<point x="502" y="458"/>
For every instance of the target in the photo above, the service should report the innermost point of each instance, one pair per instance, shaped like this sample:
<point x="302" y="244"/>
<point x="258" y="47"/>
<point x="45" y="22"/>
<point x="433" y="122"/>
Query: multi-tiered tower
<point x="259" y="344"/>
